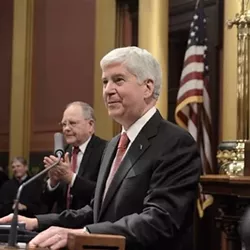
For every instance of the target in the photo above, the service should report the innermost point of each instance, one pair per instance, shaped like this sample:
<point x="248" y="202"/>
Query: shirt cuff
<point x="49" y="186"/>
<point x="85" y="230"/>
<point x="73" y="180"/>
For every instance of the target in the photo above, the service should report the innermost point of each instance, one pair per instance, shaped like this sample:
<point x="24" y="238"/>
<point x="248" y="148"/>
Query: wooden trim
<point x="105" y="41"/>
<point x="153" y="36"/>
<point x="20" y="116"/>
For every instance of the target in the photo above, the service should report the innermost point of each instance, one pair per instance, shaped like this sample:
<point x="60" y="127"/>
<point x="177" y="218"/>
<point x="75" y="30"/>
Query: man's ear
<point x="26" y="168"/>
<point x="91" y="122"/>
<point x="92" y="126"/>
<point x="149" y="90"/>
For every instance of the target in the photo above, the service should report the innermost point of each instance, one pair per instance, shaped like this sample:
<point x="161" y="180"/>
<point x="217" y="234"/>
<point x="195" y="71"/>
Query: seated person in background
<point x="148" y="181"/>
<point x="3" y="176"/>
<point x="72" y="186"/>
<point x="30" y="198"/>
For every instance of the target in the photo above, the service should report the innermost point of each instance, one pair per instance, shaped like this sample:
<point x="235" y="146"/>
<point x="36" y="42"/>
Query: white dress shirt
<point x="136" y="127"/>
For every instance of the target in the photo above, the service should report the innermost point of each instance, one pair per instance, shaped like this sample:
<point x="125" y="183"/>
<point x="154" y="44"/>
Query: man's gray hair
<point x="20" y="159"/>
<point x="88" y="111"/>
<point x="138" y="62"/>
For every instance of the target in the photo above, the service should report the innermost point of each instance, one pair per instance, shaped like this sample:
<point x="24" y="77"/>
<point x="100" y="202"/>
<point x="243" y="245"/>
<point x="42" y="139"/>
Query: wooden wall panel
<point x="63" y="63"/>
<point x="6" y="22"/>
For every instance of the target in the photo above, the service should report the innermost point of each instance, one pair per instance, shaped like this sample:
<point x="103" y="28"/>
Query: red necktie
<point x="75" y="152"/>
<point x="122" y="146"/>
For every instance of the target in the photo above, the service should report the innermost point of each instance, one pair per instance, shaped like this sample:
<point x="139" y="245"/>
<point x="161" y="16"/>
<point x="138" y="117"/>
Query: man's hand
<point x="20" y="206"/>
<point x="30" y="223"/>
<point x="62" y="172"/>
<point x="54" y="178"/>
<point x="53" y="238"/>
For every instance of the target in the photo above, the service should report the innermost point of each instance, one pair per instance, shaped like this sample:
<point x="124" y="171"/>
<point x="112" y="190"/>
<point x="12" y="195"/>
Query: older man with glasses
<point x="71" y="185"/>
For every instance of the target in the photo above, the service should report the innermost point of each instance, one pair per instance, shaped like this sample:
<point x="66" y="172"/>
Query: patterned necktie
<point x="122" y="147"/>
<point x="75" y="152"/>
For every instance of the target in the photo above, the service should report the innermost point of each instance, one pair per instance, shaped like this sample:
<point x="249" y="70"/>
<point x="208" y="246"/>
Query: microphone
<point x="245" y="229"/>
<point x="58" y="145"/>
<point x="59" y="152"/>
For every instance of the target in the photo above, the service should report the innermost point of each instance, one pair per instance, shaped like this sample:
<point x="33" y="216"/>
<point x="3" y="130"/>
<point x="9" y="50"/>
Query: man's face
<point x="19" y="170"/>
<point x="123" y="95"/>
<point x="75" y="127"/>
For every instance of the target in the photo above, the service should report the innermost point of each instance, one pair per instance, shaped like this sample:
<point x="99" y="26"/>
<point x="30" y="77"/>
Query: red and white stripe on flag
<point x="193" y="100"/>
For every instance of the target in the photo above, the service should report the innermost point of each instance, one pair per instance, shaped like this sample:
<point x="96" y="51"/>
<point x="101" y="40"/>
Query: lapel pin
<point x="140" y="146"/>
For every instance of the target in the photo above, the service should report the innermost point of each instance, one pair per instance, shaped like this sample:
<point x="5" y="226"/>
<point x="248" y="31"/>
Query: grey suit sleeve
<point x="169" y="202"/>
<point x="68" y="218"/>
<point x="47" y="220"/>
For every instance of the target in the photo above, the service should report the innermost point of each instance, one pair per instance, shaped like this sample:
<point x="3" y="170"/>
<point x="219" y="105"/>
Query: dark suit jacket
<point x="3" y="177"/>
<point x="30" y="197"/>
<point x="152" y="197"/>
<point x="85" y="182"/>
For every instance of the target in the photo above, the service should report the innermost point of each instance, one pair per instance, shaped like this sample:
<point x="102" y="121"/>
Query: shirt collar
<point x="83" y="146"/>
<point x="136" y="127"/>
<point x="22" y="178"/>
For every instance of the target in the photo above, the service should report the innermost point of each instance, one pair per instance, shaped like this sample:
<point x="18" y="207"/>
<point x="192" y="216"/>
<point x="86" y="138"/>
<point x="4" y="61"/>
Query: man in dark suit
<point x="70" y="188"/>
<point x="148" y="180"/>
<point x="30" y="203"/>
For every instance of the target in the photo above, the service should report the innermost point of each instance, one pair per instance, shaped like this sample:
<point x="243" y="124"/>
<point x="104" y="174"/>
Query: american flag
<point x="193" y="101"/>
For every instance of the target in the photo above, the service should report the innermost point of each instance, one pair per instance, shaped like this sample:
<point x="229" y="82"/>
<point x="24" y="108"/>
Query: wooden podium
<point x="88" y="241"/>
<point x="232" y="196"/>
<point x="96" y="242"/>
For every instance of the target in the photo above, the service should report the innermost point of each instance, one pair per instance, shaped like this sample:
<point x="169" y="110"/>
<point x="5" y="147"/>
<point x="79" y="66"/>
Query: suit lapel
<point x="136" y="150"/>
<point x="86" y="155"/>
<point x="103" y="173"/>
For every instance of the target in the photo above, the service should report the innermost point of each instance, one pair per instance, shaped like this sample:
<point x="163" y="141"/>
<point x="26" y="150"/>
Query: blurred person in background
<point x="30" y="197"/>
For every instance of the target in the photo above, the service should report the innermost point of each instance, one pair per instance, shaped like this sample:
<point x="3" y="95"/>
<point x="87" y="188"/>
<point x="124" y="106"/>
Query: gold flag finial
<point x="197" y="3"/>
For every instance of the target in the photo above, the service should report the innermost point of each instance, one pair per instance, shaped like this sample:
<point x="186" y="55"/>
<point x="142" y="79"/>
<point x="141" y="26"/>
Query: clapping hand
<point x="62" y="172"/>
<point x="21" y="206"/>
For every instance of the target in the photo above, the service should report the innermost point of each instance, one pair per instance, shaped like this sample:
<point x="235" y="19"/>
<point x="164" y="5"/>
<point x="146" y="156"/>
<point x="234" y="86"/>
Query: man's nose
<point x="66" y="127"/>
<point x="109" y="87"/>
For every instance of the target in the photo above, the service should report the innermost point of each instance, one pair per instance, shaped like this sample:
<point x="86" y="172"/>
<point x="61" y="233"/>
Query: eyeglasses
<point x="71" y="124"/>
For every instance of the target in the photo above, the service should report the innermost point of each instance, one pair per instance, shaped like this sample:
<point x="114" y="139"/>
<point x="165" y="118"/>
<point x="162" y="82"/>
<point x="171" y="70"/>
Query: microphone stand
<point x="13" y="229"/>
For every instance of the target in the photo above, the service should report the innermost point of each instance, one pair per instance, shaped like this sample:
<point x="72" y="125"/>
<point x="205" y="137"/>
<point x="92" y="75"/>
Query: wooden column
<point x="229" y="75"/>
<point x="105" y="39"/>
<point x="153" y="36"/>
<point x="20" y="114"/>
